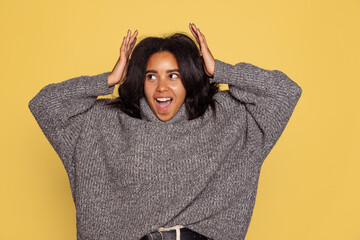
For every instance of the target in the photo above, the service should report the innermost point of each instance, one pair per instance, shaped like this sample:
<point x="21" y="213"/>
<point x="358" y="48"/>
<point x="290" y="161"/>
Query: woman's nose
<point x="162" y="85"/>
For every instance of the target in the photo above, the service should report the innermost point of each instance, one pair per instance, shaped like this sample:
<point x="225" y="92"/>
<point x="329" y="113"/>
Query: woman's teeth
<point x="163" y="102"/>
<point x="163" y="99"/>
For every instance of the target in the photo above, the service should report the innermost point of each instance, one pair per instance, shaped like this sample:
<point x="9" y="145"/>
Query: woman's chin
<point x="164" y="117"/>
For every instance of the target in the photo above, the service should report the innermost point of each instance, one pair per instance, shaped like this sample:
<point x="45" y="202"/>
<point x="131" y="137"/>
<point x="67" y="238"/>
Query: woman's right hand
<point x="118" y="73"/>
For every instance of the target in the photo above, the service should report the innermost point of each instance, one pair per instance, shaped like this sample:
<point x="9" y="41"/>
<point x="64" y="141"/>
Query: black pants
<point x="185" y="234"/>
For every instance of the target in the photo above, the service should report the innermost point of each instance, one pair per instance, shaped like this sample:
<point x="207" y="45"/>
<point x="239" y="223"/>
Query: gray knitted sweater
<point x="131" y="176"/>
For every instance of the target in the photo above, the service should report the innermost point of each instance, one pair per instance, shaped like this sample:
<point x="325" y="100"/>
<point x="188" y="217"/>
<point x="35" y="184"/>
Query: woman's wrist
<point x="115" y="75"/>
<point x="110" y="80"/>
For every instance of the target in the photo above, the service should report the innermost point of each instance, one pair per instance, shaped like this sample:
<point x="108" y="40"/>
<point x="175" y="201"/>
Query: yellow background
<point x="309" y="184"/>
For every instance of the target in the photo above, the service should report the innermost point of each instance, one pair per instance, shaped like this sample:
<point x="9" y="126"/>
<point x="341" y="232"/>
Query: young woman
<point x="172" y="157"/>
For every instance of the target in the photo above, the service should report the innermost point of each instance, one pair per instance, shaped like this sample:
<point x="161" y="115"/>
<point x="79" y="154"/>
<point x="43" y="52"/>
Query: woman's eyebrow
<point x="154" y="71"/>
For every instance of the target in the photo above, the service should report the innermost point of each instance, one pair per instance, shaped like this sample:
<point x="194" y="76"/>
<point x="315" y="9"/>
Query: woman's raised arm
<point x="269" y="96"/>
<point x="59" y="108"/>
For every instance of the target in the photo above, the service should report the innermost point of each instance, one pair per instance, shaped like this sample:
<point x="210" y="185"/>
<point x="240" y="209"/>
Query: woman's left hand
<point x="209" y="61"/>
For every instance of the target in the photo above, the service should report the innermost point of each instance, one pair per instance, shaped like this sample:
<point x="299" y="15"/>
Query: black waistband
<point x="185" y="234"/>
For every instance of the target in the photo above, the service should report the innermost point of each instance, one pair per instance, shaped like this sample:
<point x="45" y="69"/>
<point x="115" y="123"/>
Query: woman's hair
<point x="199" y="90"/>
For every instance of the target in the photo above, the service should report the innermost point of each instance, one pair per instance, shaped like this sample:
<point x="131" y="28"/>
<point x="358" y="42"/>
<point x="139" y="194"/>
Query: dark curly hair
<point x="199" y="90"/>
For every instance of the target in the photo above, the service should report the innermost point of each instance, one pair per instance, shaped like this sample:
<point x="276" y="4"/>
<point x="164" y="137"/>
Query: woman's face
<point x="163" y="87"/>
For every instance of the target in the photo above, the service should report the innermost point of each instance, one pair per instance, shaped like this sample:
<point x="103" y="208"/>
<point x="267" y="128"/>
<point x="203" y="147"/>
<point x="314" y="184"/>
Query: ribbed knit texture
<point x="131" y="176"/>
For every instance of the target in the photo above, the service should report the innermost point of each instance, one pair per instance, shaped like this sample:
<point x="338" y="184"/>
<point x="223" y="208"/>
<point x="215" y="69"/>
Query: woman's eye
<point x="151" y="77"/>
<point x="174" y="75"/>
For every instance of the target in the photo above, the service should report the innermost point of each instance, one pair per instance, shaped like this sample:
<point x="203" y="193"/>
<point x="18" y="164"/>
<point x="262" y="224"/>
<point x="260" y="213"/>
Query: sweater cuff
<point x="223" y="72"/>
<point x="98" y="85"/>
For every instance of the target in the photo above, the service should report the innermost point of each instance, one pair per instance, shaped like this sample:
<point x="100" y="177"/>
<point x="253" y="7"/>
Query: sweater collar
<point x="148" y="114"/>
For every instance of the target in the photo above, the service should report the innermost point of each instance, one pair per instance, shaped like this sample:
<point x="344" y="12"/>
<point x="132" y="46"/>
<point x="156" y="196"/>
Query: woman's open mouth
<point x="163" y="103"/>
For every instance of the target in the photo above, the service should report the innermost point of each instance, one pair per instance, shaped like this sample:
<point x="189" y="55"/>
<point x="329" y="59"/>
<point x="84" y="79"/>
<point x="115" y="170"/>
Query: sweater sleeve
<point x="59" y="110"/>
<point x="269" y="97"/>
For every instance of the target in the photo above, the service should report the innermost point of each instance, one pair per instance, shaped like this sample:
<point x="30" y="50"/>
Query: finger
<point x="201" y="35"/>
<point x="133" y="40"/>
<point x="128" y="36"/>
<point x="203" y="43"/>
<point x="193" y="32"/>
<point x="134" y="35"/>
<point x="126" y="41"/>
<point x="192" y="28"/>
<point x="133" y="44"/>
<point x="122" y="47"/>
